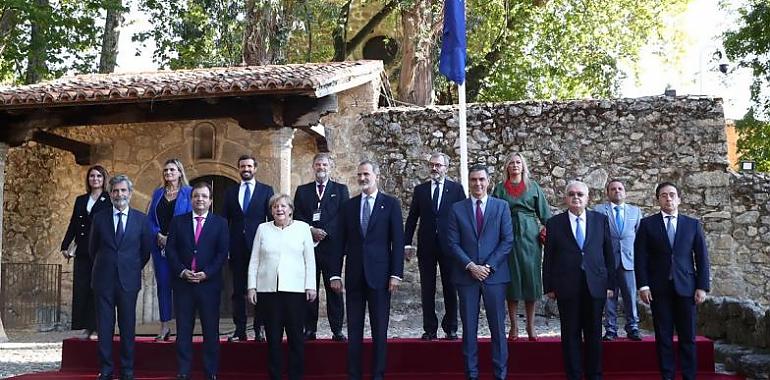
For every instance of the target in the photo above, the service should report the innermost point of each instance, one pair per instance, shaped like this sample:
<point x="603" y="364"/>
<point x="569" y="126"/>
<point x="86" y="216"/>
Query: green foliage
<point x="70" y="37"/>
<point x="749" y="46"/>
<point x="562" y="48"/>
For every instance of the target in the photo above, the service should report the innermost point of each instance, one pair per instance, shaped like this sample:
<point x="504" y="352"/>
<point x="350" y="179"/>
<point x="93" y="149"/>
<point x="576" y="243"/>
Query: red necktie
<point x="320" y="190"/>
<point x="479" y="218"/>
<point x="198" y="228"/>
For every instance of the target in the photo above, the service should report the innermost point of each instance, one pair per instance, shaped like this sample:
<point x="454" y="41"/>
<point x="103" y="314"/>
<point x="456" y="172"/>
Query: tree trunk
<point x="266" y="32"/>
<point x="415" y="84"/>
<point x="109" y="56"/>
<point x="7" y="23"/>
<point x="341" y="50"/>
<point x="38" y="45"/>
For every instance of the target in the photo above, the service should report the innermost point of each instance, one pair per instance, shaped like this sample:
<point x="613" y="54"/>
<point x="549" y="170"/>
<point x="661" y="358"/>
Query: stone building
<point x="285" y="114"/>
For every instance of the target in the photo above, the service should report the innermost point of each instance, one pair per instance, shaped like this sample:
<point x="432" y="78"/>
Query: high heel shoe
<point x="531" y="334"/>
<point x="163" y="337"/>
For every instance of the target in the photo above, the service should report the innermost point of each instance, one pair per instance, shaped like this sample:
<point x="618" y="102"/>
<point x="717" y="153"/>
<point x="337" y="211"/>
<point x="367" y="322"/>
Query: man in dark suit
<point x="246" y="206"/>
<point x="119" y="247"/>
<point x="431" y="204"/>
<point x="479" y="234"/>
<point x="373" y="240"/>
<point x="579" y="272"/>
<point x="318" y="203"/>
<point x="672" y="272"/>
<point x="196" y="251"/>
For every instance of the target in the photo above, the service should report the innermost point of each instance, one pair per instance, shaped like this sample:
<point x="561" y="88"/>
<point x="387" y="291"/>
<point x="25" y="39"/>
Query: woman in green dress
<point x="529" y="211"/>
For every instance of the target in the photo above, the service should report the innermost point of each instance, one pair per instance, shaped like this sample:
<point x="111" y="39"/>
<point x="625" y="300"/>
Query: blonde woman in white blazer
<point x="282" y="277"/>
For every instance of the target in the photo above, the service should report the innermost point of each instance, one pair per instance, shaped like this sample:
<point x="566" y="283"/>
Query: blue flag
<point x="453" y="46"/>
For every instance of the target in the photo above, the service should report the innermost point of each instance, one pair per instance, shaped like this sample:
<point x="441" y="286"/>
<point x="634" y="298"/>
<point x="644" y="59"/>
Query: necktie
<point x="618" y="219"/>
<point x="365" y="213"/>
<point x="479" y="218"/>
<point x="198" y="228"/>
<point x="320" y="191"/>
<point x="670" y="231"/>
<point x="435" y="197"/>
<point x="119" y="231"/>
<point x="579" y="234"/>
<point x="246" y="197"/>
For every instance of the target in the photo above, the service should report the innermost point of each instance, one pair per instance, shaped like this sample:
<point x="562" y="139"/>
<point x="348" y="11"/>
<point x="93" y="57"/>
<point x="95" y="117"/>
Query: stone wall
<point x="641" y="141"/>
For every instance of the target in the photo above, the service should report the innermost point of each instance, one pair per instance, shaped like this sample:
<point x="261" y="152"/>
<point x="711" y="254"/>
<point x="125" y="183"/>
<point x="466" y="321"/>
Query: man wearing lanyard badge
<point x="317" y="204"/>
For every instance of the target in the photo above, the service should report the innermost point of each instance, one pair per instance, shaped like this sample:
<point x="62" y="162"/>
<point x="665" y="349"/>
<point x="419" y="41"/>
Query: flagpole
<point x="461" y="116"/>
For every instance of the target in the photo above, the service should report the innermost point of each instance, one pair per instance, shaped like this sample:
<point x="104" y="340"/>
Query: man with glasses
<point x="431" y="203"/>
<point x="578" y="272"/>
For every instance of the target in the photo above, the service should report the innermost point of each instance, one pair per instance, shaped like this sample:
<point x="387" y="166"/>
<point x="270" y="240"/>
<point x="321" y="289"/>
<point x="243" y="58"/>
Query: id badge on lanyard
<point x="317" y="212"/>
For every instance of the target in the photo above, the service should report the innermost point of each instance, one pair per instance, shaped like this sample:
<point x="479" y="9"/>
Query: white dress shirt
<point x="440" y="190"/>
<point x="252" y="182"/>
<point x="665" y="226"/>
<point x="115" y="218"/>
<point x="573" y="223"/>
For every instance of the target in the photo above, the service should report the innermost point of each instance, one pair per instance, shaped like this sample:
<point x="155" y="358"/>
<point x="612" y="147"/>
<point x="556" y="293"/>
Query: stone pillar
<point x="283" y="146"/>
<point x="3" y="158"/>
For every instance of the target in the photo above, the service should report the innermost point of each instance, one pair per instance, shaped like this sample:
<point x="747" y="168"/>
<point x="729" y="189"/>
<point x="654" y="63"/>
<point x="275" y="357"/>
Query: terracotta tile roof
<point x="311" y="79"/>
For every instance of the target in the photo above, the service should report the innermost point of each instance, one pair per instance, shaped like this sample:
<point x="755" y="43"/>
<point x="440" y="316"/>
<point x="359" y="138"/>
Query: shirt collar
<point x="205" y="215"/>
<point x="622" y="205"/>
<point x="115" y="211"/>
<point x="483" y="199"/>
<point x="373" y="195"/>
<point x="573" y="216"/>
<point x="675" y="214"/>
<point x="251" y="182"/>
<point x="321" y="183"/>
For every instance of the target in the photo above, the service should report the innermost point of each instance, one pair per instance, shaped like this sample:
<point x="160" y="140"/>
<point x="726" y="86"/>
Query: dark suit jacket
<point x="306" y="203"/>
<point x="653" y="253"/>
<point x="378" y="255"/>
<point x="80" y="222"/>
<point x="210" y="252"/>
<point x="431" y="223"/>
<point x="491" y="248"/>
<point x="562" y="257"/>
<point x="243" y="226"/>
<point x="124" y="259"/>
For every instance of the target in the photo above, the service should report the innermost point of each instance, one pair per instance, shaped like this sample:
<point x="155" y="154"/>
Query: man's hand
<point x="200" y="276"/>
<point x="700" y="296"/>
<point x="336" y="285"/>
<point x="310" y="295"/>
<point x="252" y="296"/>
<point x="66" y="255"/>
<point x="646" y="296"/>
<point x="479" y="272"/>
<point x="318" y="234"/>
<point x="551" y="295"/>
<point x="410" y="252"/>
<point x="610" y="293"/>
<point x="393" y="285"/>
<point x="189" y="276"/>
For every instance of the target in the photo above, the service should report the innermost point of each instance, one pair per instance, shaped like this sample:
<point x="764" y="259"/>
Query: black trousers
<point x="669" y="311"/>
<point x="108" y="301"/>
<point x="427" y="262"/>
<point x="239" y="267"/>
<point x="335" y="306"/>
<point x="284" y="311"/>
<point x="581" y="333"/>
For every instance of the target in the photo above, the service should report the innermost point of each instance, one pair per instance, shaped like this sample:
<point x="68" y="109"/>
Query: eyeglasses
<point x="576" y="194"/>
<point x="435" y="165"/>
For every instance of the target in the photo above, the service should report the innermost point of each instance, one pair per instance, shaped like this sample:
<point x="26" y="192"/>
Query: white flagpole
<point x="463" y="137"/>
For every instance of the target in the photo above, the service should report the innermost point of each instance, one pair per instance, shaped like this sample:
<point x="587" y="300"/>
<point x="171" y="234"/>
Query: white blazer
<point x="282" y="260"/>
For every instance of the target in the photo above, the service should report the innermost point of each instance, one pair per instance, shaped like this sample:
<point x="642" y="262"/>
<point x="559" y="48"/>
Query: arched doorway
<point x="220" y="184"/>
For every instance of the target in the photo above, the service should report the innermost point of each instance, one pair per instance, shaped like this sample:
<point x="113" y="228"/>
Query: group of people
<point x="502" y="248"/>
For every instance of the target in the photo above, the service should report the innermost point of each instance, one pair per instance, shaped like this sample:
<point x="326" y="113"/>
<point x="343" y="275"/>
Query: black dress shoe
<point x="635" y="336"/>
<point x="237" y="338"/>
<point x="339" y="337"/>
<point x="211" y="377"/>
<point x="259" y="336"/>
<point x="609" y="337"/>
<point x="309" y="335"/>
<point x="102" y="376"/>
<point x="127" y="376"/>
<point x="428" y="336"/>
<point x="182" y="377"/>
<point x="451" y="336"/>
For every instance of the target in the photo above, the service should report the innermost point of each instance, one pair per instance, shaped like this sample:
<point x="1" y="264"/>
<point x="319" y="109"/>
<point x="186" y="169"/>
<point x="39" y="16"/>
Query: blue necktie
<point x="670" y="231"/>
<point x="367" y="211"/>
<point x="618" y="219"/>
<point x="435" y="197"/>
<point x="119" y="231"/>
<point x="246" y="197"/>
<point x="579" y="235"/>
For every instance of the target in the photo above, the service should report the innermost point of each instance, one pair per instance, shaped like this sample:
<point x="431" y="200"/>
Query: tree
<point x="749" y="46"/>
<point x="111" y="35"/>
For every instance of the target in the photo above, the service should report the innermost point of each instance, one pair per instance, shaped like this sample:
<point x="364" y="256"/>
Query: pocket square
<point x="332" y="195"/>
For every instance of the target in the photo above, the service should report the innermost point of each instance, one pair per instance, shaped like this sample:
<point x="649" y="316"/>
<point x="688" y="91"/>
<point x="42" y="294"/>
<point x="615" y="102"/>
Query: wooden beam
<point x="81" y="150"/>
<point x="320" y="138"/>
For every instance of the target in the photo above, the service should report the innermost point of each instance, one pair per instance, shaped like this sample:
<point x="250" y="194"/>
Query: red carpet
<point x="407" y="359"/>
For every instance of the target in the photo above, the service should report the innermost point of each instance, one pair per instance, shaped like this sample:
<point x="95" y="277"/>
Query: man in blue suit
<point x="196" y="251"/>
<point x="318" y="204"/>
<point x="624" y="221"/>
<point x="119" y="248"/>
<point x="672" y="272"/>
<point x="245" y="207"/>
<point x="431" y="204"/>
<point x="579" y="272"/>
<point x="373" y="241"/>
<point x="479" y="235"/>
